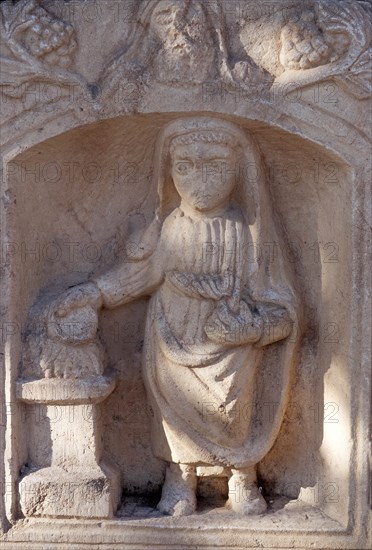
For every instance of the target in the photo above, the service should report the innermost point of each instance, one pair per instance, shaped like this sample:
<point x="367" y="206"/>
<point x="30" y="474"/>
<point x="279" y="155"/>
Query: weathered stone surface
<point x="185" y="236"/>
<point x="84" y="492"/>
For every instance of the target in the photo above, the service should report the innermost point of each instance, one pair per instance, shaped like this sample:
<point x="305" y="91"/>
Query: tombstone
<point x="184" y="240"/>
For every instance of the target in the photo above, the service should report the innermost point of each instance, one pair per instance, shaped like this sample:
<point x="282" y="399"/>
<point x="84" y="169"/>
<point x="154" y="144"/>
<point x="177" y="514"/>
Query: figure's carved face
<point x="204" y="174"/>
<point x="179" y="24"/>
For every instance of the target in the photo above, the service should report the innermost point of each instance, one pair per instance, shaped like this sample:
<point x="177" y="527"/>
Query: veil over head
<point x="210" y="130"/>
<point x="263" y="280"/>
<point x="268" y="279"/>
<point x="251" y="194"/>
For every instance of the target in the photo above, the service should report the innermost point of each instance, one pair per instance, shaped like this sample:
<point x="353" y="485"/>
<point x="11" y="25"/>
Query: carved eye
<point x="183" y="167"/>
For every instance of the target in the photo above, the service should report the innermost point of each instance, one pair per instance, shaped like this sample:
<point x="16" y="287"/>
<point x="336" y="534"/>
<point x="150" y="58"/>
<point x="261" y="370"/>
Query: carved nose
<point x="179" y="25"/>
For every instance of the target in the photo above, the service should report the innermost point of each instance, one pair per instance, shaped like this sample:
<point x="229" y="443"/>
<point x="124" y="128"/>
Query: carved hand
<point x="78" y="297"/>
<point x="73" y="316"/>
<point x="277" y="323"/>
<point x="233" y="328"/>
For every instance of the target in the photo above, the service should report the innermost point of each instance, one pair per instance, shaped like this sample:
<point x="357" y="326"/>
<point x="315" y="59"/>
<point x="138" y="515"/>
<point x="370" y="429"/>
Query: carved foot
<point x="178" y="494"/>
<point x="244" y="495"/>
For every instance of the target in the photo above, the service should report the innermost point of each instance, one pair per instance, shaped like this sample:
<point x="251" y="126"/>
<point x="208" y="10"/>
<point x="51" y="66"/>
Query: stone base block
<point x="81" y="493"/>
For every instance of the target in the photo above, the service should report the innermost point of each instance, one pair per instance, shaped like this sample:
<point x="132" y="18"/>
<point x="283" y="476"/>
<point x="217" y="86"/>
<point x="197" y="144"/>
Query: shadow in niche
<point x="322" y="270"/>
<point x="97" y="211"/>
<point x="134" y="507"/>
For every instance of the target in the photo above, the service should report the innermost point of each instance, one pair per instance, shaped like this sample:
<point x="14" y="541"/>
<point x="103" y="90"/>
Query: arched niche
<point x="68" y="202"/>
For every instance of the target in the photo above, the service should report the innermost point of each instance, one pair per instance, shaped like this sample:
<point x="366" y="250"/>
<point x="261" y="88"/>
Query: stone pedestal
<point x="70" y="479"/>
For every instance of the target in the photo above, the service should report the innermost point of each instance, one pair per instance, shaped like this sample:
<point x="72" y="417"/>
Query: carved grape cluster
<point x="303" y="44"/>
<point x="50" y="39"/>
<point x="44" y="36"/>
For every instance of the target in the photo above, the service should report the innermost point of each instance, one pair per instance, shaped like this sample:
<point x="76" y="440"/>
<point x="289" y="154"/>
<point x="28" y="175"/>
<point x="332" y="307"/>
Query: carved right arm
<point x="129" y="281"/>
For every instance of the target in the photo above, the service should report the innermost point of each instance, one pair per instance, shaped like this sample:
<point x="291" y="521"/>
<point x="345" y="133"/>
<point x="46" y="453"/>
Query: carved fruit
<point x="304" y="45"/>
<point x="50" y="39"/>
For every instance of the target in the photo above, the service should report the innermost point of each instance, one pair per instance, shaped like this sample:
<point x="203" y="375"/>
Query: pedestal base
<point x="287" y="525"/>
<point x="79" y="493"/>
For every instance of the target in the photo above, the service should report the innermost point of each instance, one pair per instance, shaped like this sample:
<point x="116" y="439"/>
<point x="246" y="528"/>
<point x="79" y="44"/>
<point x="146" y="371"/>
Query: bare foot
<point x="244" y="495"/>
<point x="178" y="494"/>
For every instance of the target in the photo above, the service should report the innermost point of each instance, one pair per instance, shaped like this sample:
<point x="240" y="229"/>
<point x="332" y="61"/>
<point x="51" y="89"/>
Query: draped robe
<point x="201" y="393"/>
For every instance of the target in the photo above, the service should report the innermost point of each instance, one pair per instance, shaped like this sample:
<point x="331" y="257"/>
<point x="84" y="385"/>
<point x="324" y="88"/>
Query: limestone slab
<point x="185" y="274"/>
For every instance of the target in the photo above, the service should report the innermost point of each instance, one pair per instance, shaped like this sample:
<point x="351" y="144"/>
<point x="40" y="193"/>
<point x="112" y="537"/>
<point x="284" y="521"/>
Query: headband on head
<point x="205" y="129"/>
<point x="206" y="136"/>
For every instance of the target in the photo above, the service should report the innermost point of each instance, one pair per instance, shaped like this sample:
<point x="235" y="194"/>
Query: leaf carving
<point x="359" y="79"/>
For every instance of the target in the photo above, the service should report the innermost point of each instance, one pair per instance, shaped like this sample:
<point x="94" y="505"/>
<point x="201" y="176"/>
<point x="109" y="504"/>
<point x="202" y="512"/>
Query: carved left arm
<point x="259" y="325"/>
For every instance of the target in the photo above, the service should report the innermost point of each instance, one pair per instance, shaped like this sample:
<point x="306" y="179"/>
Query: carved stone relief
<point x="227" y="313"/>
<point x="332" y="35"/>
<point x="188" y="368"/>
<point x="185" y="44"/>
<point x="41" y="47"/>
<point x="181" y="44"/>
